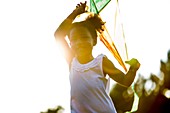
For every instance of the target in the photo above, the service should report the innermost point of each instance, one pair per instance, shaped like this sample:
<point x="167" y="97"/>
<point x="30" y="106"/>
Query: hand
<point x="134" y="63"/>
<point x="80" y="8"/>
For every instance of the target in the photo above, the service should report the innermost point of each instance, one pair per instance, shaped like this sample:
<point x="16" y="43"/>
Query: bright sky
<point x="34" y="76"/>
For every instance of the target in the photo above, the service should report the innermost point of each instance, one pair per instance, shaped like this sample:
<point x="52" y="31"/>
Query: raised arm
<point x="117" y="75"/>
<point x="64" y="28"/>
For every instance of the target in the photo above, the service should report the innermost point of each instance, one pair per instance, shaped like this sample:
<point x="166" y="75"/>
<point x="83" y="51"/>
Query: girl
<point x="89" y="85"/>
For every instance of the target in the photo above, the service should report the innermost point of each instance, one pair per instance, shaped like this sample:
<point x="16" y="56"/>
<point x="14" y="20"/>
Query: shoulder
<point x="109" y="68"/>
<point x="107" y="63"/>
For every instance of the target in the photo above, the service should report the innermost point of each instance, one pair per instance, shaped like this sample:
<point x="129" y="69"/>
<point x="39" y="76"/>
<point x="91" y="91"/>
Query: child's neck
<point x="85" y="59"/>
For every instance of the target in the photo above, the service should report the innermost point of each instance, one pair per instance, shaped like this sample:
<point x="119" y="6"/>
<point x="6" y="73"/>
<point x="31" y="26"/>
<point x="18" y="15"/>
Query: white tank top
<point x="90" y="88"/>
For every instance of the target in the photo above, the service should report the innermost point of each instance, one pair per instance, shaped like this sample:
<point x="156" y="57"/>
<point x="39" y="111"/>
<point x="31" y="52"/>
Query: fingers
<point x="127" y="62"/>
<point x="81" y="4"/>
<point x="134" y="63"/>
<point x="81" y="8"/>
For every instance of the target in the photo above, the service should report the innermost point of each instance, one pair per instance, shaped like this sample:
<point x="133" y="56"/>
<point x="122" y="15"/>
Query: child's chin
<point x="82" y="52"/>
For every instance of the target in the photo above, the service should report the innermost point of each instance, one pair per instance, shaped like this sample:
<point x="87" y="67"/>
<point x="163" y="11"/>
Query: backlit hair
<point x="93" y="23"/>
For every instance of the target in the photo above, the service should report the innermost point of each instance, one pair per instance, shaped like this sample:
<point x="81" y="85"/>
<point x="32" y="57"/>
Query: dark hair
<point x="93" y="23"/>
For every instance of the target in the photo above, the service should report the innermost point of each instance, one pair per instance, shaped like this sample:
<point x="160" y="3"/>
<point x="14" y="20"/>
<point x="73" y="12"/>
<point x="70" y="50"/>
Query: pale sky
<point x="33" y="74"/>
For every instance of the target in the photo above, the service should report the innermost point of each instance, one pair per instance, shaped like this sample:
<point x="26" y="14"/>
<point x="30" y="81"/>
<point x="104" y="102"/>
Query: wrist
<point x="72" y="16"/>
<point x="131" y="69"/>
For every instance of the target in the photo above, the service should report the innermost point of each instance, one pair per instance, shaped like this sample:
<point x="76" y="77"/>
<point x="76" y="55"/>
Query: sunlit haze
<point x="33" y="74"/>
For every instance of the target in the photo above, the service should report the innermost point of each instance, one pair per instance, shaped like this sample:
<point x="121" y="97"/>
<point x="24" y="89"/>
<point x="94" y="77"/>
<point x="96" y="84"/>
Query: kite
<point x="96" y="6"/>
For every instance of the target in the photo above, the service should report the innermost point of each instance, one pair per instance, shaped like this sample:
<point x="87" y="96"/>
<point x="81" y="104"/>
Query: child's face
<point x="81" y="41"/>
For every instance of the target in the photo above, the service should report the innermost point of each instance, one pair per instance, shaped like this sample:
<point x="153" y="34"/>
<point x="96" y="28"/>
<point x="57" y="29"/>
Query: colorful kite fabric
<point x="97" y="5"/>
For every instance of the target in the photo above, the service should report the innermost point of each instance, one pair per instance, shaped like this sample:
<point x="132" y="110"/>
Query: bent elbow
<point x="55" y="34"/>
<point x="127" y="84"/>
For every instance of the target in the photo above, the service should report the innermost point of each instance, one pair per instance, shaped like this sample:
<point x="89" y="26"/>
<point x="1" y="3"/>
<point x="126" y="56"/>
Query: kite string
<point x="112" y="48"/>
<point x="116" y="13"/>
